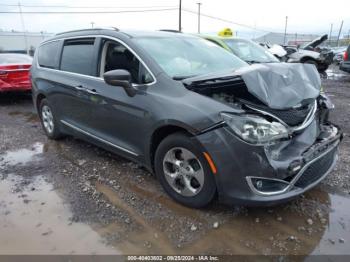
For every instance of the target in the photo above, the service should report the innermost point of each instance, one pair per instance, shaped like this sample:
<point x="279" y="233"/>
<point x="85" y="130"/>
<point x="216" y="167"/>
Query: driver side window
<point x="115" y="56"/>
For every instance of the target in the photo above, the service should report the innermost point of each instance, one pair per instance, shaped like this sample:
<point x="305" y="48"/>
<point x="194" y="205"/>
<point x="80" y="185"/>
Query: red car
<point x="14" y="72"/>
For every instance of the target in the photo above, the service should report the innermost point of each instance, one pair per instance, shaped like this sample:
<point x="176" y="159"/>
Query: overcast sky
<point x="304" y="16"/>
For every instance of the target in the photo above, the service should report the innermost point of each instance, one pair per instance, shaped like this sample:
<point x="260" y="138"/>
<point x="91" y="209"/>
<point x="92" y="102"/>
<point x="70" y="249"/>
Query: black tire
<point x="312" y="62"/>
<point x="322" y="68"/>
<point x="208" y="189"/>
<point x="55" y="133"/>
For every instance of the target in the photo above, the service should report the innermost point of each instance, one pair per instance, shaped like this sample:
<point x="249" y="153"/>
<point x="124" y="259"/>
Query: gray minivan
<point x="201" y="119"/>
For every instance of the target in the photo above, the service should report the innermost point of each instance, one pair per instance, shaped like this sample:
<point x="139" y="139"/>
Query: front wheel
<point x="184" y="172"/>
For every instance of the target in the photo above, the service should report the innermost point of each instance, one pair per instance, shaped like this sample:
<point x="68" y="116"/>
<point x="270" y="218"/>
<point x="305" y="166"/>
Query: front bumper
<point x="298" y="164"/>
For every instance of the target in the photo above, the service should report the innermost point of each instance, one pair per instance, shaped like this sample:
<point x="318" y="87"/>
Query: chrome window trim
<point x="96" y="77"/>
<point x="98" y="138"/>
<point x="295" y="179"/>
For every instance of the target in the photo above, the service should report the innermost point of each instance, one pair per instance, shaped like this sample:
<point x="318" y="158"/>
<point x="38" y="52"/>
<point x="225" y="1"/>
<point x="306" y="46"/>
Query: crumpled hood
<point x="282" y="85"/>
<point x="316" y="42"/>
<point x="277" y="85"/>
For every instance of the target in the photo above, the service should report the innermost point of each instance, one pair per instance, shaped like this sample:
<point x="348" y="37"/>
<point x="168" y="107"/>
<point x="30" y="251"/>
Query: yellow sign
<point x="227" y="32"/>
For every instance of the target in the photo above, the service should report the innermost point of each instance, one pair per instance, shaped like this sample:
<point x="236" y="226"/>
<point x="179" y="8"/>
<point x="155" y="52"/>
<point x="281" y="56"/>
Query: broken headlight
<point x="255" y="129"/>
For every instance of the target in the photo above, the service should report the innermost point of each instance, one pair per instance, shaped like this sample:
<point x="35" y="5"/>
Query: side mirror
<point x="120" y="77"/>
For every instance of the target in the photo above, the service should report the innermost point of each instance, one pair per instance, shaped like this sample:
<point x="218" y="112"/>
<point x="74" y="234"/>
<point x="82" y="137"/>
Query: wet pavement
<point x="35" y="220"/>
<point x="69" y="197"/>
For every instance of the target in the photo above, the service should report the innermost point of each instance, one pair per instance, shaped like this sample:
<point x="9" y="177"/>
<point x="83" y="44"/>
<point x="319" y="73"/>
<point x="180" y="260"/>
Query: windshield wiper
<point x="260" y="62"/>
<point x="253" y="62"/>
<point x="179" y="77"/>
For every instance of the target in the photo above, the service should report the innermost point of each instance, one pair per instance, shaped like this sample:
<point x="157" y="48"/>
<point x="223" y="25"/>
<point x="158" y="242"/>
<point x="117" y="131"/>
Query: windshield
<point x="182" y="57"/>
<point x="250" y="51"/>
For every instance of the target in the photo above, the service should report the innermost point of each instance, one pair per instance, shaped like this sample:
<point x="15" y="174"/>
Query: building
<point x="291" y="39"/>
<point x="19" y="42"/>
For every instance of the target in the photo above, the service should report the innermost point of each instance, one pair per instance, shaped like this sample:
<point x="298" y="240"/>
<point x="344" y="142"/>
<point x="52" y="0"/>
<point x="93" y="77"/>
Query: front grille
<point x="293" y="116"/>
<point x="316" y="170"/>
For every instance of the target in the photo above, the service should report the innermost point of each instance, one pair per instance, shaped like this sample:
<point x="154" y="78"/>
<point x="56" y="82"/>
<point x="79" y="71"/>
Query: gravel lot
<point x="70" y="197"/>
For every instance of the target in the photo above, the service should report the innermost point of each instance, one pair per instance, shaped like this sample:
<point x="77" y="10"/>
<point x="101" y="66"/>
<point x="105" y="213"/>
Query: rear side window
<point x="77" y="56"/>
<point x="48" y="55"/>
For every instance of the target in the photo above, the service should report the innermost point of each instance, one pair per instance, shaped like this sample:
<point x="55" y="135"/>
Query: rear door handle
<point x="91" y="91"/>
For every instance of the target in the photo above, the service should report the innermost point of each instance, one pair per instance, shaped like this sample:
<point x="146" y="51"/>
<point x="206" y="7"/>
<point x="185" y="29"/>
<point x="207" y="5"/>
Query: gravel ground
<point x="128" y="209"/>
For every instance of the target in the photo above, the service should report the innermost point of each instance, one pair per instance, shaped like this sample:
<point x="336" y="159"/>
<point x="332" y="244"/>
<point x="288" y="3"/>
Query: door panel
<point x="75" y="79"/>
<point x="117" y="117"/>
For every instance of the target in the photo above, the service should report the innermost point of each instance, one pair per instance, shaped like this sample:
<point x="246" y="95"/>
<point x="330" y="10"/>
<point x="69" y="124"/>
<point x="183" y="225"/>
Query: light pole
<point x="341" y="27"/>
<point x="92" y="24"/>
<point x="330" y="36"/>
<point x="285" y="30"/>
<point x="199" y="17"/>
<point x="180" y="15"/>
<point x="23" y="28"/>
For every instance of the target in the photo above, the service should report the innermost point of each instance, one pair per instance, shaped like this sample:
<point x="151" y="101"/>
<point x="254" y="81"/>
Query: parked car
<point x="311" y="53"/>
<point x="245" y="49"/>
<point x="14" y="72"/>
<point x="345" y="64"/>
<point x="197" y="116"/>
<point x="278" y="51"/>
<point x="338" y="54"/>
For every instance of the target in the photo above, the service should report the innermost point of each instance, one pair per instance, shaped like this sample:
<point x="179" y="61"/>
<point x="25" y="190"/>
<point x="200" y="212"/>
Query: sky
<point x="249" y="18"/>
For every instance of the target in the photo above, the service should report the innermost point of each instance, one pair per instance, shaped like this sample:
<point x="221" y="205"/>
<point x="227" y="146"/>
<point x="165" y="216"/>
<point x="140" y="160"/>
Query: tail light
<point x="346" y="56"/>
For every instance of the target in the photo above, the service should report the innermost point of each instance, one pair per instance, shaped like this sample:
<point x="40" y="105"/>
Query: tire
<point x="49" y="123"/>
<point x="191" y="183"/>
<point x="312" y="62"/>
<point x="322" y="68"/>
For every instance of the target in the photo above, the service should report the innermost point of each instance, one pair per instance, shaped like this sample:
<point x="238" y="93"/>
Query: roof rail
<point x="89" y="29"/>
<point x="170" y="30"/>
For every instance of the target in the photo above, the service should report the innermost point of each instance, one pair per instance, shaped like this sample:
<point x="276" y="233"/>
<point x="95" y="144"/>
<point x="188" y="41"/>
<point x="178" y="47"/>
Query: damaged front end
<point x="285" y="141"/>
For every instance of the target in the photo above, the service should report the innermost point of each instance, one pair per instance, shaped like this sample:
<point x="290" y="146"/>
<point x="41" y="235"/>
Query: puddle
<point x="333" y="74"/>
<point x="21" y="156"/>
<point x="337" y="230"/>
<point x="36" y="220"/>
<point x="282" y="230"/>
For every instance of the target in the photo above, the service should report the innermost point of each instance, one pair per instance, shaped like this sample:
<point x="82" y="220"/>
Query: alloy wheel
<point x="183" y="171"/>
<point x="47" y="118"/>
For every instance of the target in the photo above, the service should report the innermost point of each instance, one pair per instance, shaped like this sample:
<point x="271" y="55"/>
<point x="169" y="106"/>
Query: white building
<point x="13" y="41"/>
<point x="291" y="39"/>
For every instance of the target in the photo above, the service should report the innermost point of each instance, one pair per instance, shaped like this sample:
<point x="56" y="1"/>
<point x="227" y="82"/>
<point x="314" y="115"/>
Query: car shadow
<point x="10" y="98"/>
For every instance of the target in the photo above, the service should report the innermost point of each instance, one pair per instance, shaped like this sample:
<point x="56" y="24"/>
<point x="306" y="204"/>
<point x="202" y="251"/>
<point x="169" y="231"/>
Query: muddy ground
<point x="70" y="197"/>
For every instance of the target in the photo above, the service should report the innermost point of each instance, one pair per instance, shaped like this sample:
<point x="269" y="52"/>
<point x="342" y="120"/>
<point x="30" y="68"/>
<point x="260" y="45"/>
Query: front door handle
<point x="79" y="87"/>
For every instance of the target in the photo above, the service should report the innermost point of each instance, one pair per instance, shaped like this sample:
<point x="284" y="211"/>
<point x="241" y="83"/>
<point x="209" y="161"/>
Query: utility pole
<point x="341" y="27"/>
<point x="199" y="17"/>
<point x="180" y="9"/>
<point x="285" y="30"/>
<point x="92" y="24"/>
<point x="23" y="28"/>
<point x="330" y="35"/>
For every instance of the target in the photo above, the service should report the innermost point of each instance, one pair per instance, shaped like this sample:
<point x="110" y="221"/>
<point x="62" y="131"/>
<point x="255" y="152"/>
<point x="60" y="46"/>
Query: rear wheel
<point x="48" y="120"/>
<point x="184" y="172"/>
